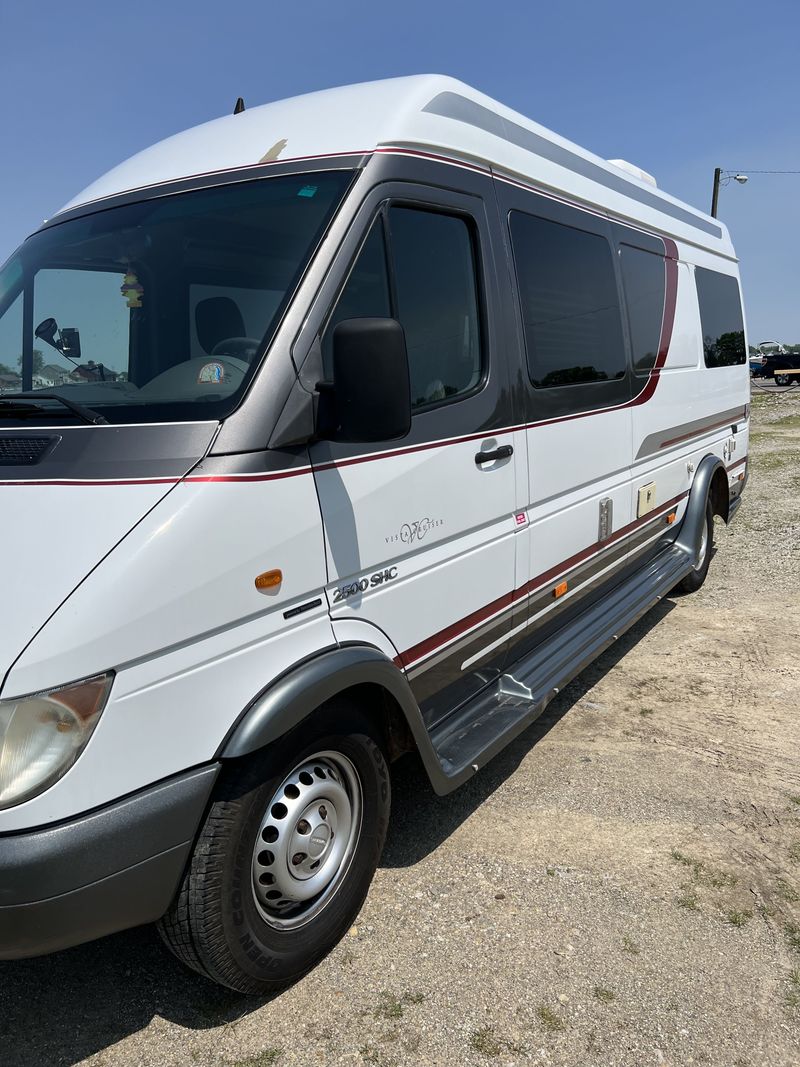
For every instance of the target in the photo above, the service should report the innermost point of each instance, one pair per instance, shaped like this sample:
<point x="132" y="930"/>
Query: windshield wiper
<point x="12" y="400"/>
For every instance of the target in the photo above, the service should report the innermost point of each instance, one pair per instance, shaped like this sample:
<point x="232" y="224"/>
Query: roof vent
<point x="637" y="172"/>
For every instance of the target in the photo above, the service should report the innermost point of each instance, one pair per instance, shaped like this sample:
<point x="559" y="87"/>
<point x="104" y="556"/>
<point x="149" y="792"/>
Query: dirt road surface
<point x="620" y="887"/>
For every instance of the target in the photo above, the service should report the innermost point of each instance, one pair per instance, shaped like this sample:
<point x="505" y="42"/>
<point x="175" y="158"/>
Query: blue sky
<point x="677" y="88"/>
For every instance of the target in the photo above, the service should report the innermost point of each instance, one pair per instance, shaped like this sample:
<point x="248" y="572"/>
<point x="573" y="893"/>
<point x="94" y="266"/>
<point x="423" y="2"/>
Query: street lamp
<point x="722" y="177"/>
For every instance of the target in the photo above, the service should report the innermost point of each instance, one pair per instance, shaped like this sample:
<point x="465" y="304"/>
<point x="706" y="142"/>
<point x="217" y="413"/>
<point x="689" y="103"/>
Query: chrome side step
<point x="480" y="729"/>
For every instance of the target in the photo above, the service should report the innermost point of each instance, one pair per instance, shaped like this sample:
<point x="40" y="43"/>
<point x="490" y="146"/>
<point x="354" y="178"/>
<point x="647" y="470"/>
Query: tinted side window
<point x="720" y="318"/>
<point x="432" y="293"/>
<point x="644" y="280"/>
<point x="570" y="306"/>
<point x="366" y="292"/>
<point x="437" y="302"/>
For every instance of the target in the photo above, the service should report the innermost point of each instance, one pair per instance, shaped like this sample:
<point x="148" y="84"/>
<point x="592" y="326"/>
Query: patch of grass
<point x="794" y="798"/>
<point x="738" y="918"/>
<point x="605" y="996"/>
<point x="718" y="879"/>
<point x="792" y="933"/>
<point x="794" y="852"/>
<point x="485" y="1041"/>
<point x="392" y="1007"/>
<point x="792" y="996"/>
<point x="630" y="946"/>
<point x="552" y="1022"/>
<point x="785" y="891"/>
<point x="645" y="712"/>
<point x="689" y="900"/>
<point x="702" y="874"/>
<point x="267" y="1058"/>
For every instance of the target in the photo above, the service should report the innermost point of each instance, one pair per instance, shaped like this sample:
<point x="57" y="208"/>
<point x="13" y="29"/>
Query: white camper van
<point x="349" y="425"/>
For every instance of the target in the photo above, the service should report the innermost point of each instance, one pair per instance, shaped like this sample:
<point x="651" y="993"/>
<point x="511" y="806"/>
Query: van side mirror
<point x="371" y="385"/>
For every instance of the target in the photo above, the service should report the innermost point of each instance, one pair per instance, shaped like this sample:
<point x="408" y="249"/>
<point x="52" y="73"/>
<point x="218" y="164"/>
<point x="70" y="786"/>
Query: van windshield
<point x="158" y="310"/>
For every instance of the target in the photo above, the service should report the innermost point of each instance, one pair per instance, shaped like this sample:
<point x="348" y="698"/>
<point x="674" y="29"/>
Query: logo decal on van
<point x="354" y="588"/>
<point x="414" y="531"/>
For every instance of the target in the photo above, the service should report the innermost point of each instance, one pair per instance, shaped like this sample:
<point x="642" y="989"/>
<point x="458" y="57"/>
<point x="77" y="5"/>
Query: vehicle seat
<point x="216" y="319"/>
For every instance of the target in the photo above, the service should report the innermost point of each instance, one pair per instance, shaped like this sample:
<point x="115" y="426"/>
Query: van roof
<point x="423" y="112"/>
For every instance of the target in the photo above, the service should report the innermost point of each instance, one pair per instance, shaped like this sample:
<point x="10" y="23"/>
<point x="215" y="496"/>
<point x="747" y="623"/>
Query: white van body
<point x="567" y="442"/>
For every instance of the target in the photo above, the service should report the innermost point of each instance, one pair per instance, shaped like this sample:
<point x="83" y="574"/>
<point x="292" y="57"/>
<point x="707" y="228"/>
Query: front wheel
<point x="695" y="578"/>
<point x="286" y="856"/>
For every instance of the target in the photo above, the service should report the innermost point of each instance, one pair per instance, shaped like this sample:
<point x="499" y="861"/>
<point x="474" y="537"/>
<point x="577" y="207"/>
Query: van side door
<point x="419" y="533"/>
<point x="578" y="393"/>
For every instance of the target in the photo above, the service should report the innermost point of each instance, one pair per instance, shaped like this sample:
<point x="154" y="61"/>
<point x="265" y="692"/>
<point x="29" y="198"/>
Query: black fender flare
<point x="691" y="532"/>
<point x="288" y="700"/>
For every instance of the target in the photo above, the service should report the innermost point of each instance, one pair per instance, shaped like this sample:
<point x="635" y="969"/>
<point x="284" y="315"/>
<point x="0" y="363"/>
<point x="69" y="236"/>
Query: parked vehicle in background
<point x="757" y="364"/>
<point x="778" y="363"/>
<point x="358" y="451"/>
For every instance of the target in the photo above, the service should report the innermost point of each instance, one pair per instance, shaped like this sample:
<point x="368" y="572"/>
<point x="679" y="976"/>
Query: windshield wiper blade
<point x="84" y="413"/>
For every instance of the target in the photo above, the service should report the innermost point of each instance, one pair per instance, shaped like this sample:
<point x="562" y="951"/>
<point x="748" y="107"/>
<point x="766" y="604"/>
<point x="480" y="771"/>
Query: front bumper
<point x="103" y="872"/>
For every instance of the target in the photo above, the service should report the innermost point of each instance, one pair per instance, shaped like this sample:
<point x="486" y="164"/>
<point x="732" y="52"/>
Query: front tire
<point x="285" y="857"/>
<point x="695" y="578"/>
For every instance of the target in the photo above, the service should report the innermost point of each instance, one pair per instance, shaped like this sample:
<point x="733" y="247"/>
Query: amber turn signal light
<point x="560" y="589"/>
<point x="671" y="517"/>
<point x="269" y="579"/>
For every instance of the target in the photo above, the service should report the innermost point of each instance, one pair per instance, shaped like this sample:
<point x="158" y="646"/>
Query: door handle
<point x="503" y="452"/>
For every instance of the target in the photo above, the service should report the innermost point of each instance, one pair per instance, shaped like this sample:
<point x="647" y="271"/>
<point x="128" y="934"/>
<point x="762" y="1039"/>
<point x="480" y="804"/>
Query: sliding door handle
<point x="503" y="452"/>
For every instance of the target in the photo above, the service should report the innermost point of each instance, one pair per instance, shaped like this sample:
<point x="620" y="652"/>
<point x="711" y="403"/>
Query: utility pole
<point x="715" y="192"/>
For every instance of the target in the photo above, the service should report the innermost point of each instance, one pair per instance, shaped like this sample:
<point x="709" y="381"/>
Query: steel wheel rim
<point x="306" y="840"/>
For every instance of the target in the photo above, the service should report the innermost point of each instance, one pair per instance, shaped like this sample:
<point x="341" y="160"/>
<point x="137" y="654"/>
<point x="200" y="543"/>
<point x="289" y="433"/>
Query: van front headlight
<point x="42" y="735"/>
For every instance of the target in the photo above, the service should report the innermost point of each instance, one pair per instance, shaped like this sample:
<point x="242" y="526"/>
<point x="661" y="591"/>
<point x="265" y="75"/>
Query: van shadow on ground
<point x="61" y="1009"/>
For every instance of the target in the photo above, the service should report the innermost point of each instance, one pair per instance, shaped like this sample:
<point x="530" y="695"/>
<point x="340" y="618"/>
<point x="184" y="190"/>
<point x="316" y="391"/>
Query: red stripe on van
<point x="443" y="637"/>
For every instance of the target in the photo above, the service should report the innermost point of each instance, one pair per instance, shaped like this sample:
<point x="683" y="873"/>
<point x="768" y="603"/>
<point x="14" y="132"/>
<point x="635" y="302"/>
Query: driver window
<point x="432" y="292"/>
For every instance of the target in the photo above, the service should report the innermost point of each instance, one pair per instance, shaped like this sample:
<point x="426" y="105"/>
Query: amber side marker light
<point x="560" y="589"/>
<point x="671" y="517"/>
<point x="269" y="579"/>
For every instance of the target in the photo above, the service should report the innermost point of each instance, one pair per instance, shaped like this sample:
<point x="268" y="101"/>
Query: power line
<point x="749" y="170"/>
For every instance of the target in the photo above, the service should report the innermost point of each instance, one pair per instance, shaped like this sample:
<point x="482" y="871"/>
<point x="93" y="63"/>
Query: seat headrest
<point x="216" y="319"/>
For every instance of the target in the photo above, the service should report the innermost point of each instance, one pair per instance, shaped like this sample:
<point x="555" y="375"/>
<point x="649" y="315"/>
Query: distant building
<point x="54" y="374"/>
<point x="10" y="383"/>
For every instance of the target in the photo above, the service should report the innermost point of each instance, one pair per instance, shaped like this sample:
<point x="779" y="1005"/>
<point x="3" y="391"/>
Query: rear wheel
<point x="783" y="379"/>
<point x="695" y="578"/>
<point x="286" y="855"/>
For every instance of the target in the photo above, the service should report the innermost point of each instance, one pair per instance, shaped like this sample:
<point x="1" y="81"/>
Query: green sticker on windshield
<point x="308" y="190"/>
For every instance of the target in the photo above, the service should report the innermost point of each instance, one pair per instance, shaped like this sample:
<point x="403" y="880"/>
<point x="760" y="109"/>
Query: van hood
<point x="66" y="508"/>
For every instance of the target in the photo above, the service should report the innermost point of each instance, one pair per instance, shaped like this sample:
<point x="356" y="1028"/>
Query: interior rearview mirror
<point x="371" y="383"/>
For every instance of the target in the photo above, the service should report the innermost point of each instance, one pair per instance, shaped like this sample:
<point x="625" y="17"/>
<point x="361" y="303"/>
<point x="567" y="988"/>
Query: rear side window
<point x="721" y="318"/>
<point x="419" y="267"/>
<point x="570" y="304"/>
<point x="643" y="277"/>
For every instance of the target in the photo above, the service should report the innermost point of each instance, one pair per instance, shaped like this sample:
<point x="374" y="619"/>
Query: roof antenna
<point x="239" y="106"/>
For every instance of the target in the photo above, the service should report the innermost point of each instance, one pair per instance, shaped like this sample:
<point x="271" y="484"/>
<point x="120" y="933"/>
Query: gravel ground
<point x="620" y="887"/>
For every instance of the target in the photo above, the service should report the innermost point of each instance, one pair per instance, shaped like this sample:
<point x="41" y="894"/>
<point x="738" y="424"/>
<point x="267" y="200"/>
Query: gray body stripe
<point x="582" y="577"/>
<point x="452" y="106"/>
<point x="654" y="442"/>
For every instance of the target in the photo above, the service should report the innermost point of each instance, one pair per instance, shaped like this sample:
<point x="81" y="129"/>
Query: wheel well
<point x="718" y="494"/>
<point x="381" y="707"/>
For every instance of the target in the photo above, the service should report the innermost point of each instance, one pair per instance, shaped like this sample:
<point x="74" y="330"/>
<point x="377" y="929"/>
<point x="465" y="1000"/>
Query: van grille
<point x="23" y="451"/>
